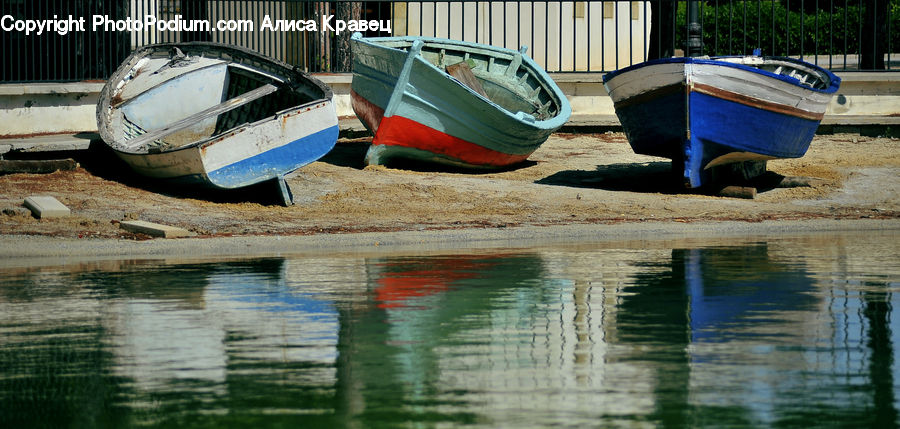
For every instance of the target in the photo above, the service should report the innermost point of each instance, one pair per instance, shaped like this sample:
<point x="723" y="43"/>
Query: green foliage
<point x="738" y="27"/>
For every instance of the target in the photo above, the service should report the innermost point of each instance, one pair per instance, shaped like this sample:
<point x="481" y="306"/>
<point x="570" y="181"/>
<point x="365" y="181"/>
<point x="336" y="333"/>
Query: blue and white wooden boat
<point x="494" y="114"/>
<point x="215" y="115"/>
<point x="704" y="112"/>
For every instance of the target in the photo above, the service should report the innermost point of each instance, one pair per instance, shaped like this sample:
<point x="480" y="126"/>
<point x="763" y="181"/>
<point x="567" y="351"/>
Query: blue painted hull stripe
<point x="275" y="162"/>
<point x="736" y="127"/>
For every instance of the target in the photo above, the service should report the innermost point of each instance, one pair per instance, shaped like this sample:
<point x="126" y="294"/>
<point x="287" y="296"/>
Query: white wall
<point x="562" y="36"/>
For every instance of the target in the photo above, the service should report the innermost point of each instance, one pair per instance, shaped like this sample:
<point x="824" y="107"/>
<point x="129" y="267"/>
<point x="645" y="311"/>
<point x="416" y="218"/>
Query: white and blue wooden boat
<point x="705" y="112"/>
<point x="215" y="115"/>
<point x="494" y="110"/>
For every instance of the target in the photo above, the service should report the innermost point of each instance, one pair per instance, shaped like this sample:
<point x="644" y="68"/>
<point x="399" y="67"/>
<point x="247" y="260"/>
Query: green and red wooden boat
<point x="452" y="102"/>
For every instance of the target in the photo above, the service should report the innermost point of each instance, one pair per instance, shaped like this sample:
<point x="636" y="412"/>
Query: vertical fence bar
<point x="28" y="46"/>
<point x="574" y="38"/>
<point x="700" y="29"/>
<point x="107" y="39"/>
<point x="758" y="24"/>
<point x="245" y="36"/>
<point x="81" y="46"/>
<point x="887" y="63"/>
<point x="312" y="42"/>
<point x="560" y="23"/>
<point x="41" y="40"/>
<point x="816" y="38"/>
<point x="505" y="32"/>
<point x="450" y="25"/>
<point x="616" y="29"/>
<point x="802" y="29"/>
<point x="55" y="42"/>
<point x="716" y="27"/>
<point x="831" y="34"/>
<point x="531" y="11"/>
<point x="602" y="37"/>
<point x="874" y="14"/>
<point x="630" y="35"/>
<point x="859" y="34"/>
<point x="674" y="31"/>
<point x="547" y="35"/>
<point x="65" y="70"/>
<point x="730" y="28"/>
<point x="479" y="22"/>
<point x="787" y="25"/>
<point x="846" y="29"/>
<point x="587" y="23"/>
<point x="5" y="44"/>
<point x="518" y="24"/>
<point x="53" y="60"/>
<point x="744" y="42"/>
<point x="257" y="17"/>
<point x="477" y="15"/>
<point x="773" y="28"/>
<point x="645" y="45"/>
<point x="462" y="21"/>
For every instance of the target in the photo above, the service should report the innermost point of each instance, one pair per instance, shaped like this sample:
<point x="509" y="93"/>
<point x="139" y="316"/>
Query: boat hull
<point x="248" y="155"/>
<point x="706" y="113"/>
<point x="416" y="111"/>
<point x="264" y="140"/>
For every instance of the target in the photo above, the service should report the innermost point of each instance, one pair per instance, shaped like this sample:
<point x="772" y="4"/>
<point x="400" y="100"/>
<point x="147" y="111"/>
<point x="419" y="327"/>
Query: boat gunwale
<point x="291" y="78"/>
<point x="833" y="84"/>
<point x="547" y="83"/>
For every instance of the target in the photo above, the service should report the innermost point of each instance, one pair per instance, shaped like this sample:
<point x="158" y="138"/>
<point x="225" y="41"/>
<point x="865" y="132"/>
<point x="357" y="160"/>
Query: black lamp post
<point x="694" y="42"/>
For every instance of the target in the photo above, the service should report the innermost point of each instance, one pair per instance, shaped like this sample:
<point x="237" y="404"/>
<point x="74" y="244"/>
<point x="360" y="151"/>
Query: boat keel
<point x="284" y="190"/>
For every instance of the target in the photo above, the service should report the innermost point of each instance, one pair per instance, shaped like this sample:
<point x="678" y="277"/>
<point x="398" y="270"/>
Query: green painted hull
<point x="417" y="110"/>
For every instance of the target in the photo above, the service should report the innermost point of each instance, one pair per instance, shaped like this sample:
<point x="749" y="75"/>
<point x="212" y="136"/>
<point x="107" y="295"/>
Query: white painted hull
<point x="249" y="145"/>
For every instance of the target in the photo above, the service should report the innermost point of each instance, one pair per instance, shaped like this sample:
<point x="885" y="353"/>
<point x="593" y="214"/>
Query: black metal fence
<point x="62" y="40"/>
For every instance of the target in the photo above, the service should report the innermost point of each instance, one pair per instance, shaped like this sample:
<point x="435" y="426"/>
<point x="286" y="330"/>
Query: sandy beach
<point x="575" y="187"/>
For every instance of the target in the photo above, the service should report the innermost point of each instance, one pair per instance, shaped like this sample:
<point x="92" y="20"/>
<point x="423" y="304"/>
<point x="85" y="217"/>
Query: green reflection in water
<point x="775" y="332"/>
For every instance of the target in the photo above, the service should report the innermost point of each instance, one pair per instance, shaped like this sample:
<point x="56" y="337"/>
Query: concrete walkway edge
<point x="21" y="251"/>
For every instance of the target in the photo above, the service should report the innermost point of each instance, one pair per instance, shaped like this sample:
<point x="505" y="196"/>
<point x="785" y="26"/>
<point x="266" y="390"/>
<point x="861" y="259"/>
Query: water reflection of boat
<point x="717" y="313"/>
<point x="401" y="282"/>
<point x="427" y="299"/>
<point x="728" y="288"/>
<point x="239" y="312"/>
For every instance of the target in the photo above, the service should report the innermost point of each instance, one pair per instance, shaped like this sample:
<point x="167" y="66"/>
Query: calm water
<point x="796" y="331"/>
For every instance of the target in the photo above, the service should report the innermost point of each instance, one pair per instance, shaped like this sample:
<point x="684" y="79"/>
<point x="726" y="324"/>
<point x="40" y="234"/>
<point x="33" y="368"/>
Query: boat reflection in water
<point x="718" y="312"/>
<point x="739" y="335"/>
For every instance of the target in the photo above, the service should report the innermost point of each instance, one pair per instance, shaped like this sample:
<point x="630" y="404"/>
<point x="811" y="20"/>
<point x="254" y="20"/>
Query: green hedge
<point x="737" y="27"/>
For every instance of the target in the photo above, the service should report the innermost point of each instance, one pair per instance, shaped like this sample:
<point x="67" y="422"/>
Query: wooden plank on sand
<point x="37" y="166"/>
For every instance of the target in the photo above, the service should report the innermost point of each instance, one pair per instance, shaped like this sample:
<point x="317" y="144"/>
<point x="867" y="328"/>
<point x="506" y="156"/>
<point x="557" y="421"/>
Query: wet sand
<point x="575" y="187"/>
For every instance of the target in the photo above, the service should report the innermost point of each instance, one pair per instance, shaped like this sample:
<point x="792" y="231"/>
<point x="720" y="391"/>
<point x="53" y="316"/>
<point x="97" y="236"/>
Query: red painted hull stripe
<point x="400" y="131"/>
